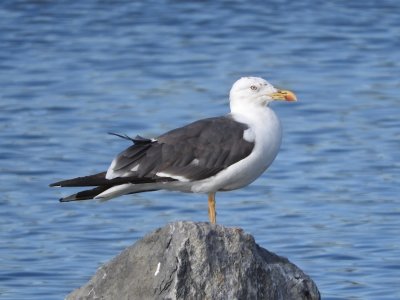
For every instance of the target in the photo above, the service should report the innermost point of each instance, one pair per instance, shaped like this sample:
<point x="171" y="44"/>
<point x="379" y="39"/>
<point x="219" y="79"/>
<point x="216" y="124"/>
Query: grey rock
<point x="186" y="260"/>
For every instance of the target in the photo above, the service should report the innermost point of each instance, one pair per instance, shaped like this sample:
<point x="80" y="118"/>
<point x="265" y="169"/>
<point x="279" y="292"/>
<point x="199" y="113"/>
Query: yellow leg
<point x="211" y="208"/>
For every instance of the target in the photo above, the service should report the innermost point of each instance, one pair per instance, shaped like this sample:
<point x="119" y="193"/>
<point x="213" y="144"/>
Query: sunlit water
<point x="71" y="71"/>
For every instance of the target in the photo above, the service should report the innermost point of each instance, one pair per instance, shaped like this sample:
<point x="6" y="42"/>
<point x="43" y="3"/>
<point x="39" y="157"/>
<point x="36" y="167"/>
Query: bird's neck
<point x="249" y="111"/>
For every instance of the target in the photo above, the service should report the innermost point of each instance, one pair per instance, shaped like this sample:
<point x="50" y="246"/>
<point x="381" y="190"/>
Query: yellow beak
<point x="284" y="95"/>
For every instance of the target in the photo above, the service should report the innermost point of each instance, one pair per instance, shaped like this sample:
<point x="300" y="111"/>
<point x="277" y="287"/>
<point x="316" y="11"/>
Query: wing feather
<point x="196" y="151"/>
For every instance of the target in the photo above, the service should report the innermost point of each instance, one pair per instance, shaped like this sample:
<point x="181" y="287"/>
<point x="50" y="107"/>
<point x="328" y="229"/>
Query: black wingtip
<point x="85" y="195"/>
<point x="68" y="199"/>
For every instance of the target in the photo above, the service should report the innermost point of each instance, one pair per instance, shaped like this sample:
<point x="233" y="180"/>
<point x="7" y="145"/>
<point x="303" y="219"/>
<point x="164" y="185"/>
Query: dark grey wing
<point x="196" y="151"/>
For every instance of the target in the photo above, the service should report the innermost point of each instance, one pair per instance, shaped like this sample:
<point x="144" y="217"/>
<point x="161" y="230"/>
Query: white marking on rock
<point x="92" y="290"/>
<point x="158" y="269"/>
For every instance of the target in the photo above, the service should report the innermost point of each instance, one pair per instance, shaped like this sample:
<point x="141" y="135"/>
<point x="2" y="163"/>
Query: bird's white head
<point x="256" y="92"/>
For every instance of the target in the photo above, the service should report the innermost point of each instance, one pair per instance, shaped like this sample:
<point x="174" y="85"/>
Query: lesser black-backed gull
<point x="207" y="156"/>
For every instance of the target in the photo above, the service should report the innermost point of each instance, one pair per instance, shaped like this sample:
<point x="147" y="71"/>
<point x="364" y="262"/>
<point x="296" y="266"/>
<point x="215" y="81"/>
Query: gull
<point x="207" y="156"/>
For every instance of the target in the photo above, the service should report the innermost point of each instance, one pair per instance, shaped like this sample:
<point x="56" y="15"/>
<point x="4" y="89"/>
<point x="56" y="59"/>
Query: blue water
<point x="71" y="71"/>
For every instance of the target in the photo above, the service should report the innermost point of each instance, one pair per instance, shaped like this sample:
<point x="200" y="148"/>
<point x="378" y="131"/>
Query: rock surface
<point x="186" y="260"/>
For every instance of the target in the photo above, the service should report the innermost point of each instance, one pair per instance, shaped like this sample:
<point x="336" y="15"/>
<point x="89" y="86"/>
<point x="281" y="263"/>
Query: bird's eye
<point x="253" y="87"/>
